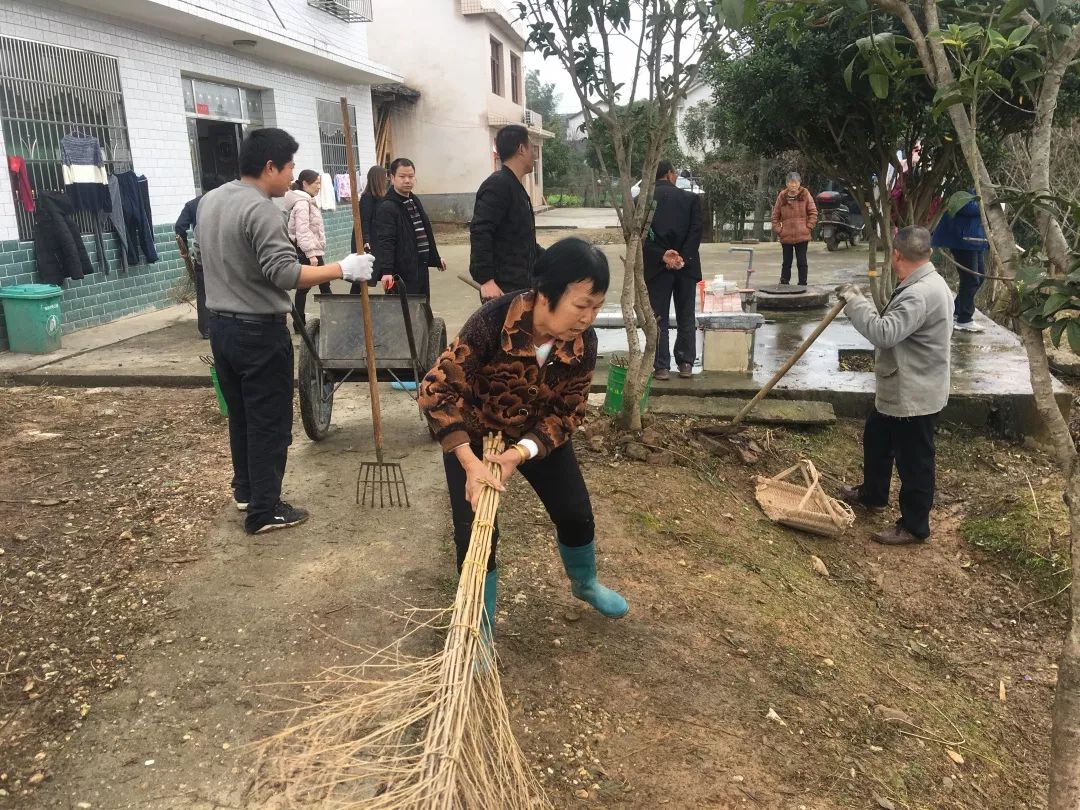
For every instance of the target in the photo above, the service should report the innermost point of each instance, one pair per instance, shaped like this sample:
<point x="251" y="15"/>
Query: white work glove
<point x="846" y="292"/>
<point x="357" y="267"/>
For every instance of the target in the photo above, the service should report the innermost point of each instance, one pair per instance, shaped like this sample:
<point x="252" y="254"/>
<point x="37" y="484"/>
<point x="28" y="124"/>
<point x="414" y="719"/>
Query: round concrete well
<point x="791" y="296"/>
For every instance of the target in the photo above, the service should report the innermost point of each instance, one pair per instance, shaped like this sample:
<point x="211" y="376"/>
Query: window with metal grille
<point x="347" y="10"/>
<point x="332" y="136"/>
<point x="47" y="92"/>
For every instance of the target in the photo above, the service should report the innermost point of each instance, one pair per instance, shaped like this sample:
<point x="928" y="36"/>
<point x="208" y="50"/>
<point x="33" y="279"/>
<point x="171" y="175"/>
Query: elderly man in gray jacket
<point x="912" y="337"/>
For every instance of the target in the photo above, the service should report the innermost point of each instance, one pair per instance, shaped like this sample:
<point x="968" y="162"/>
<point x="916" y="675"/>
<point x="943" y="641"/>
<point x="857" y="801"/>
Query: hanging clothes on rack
<point x="341" y="186"/>
<point x="58" y="245"/>
<point x="115" y="220"/>
<point x="20" y="181"/>
<point x="326" y="199"/>
<point x="85" y="178"/>
<point x="135" y="198"/>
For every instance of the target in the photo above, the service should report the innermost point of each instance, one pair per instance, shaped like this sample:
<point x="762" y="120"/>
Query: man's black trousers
<point x="798" y="252"/>
<point x="683" y="288"/>
<point x="254" y="362"/>
<point x="910" y="442"/>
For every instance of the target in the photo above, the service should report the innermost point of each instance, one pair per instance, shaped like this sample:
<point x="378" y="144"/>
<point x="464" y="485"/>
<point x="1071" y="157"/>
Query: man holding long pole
<point x="248" y="264"/>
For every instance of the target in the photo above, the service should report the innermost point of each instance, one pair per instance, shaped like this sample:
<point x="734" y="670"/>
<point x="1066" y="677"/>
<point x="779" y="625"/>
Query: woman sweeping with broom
<point x="523" y="365"/>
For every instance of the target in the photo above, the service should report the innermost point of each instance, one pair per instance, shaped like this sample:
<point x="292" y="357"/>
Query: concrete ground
<point x="990" y="378"/>
<point x="577" y="218"/>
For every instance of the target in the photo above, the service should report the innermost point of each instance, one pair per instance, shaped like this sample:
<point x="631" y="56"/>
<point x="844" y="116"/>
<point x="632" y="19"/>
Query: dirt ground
<point x="139" y="626"/>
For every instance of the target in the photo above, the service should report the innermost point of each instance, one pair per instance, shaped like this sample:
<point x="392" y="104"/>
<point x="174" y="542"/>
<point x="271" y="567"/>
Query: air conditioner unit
<point x="347" y="10"/>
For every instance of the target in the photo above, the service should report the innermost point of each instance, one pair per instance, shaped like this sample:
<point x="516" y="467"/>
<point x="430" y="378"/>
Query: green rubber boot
<point x="580" y="565"/>
<point x="487" y="622"/>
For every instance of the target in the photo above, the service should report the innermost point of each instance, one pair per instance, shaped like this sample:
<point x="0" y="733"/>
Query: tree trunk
<point x="1065" y="737"/>
<point x="762" y="202"/>
<point x="635" y="303"/>
<point x="708" y="233"/>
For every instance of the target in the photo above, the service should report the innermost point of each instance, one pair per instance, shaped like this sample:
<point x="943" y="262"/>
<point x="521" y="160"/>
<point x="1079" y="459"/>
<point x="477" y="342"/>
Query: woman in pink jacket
<point x="306" y="230"/>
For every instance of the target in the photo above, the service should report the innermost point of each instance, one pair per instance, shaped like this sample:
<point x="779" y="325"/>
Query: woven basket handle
<point x="813" y="480"/>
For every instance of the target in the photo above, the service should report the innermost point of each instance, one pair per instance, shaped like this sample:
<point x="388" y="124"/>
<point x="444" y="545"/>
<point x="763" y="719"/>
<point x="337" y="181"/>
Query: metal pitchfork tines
<point x="381" y="481"/>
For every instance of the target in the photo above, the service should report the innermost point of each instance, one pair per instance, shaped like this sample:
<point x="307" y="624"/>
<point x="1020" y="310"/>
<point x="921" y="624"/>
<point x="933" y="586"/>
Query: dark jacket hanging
<point x="134" y="193"/>
<point x="115" y="220"/>
<point x="58" y="244"/>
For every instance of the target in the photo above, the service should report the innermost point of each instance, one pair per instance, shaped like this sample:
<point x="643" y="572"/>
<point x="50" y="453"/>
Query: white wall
<point x="151" y="62"/>
<point x="446" y="56"/>
<point x="298" y="19"/>
<point x="700" y="93"/>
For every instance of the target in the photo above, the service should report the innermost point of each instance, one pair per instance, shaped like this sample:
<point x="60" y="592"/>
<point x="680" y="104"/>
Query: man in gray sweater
<point x="248" y="266"/>
<point x="912" y="337"/>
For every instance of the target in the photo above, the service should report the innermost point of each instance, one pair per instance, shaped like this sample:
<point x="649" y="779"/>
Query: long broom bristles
<point x="396" y="732"/>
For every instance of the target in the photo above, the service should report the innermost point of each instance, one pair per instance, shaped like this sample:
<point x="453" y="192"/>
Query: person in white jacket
<point x="306" y="231"/>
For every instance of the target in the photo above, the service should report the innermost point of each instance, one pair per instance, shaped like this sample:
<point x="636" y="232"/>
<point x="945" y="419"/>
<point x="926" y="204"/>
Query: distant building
<point x="463" y="59"/>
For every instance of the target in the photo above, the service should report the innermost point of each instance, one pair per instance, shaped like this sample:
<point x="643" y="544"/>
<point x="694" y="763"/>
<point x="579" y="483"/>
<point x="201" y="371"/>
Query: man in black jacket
<point x="404" y="244"/>
<point x="673" y="269"/>
<point x="503" y="228"/>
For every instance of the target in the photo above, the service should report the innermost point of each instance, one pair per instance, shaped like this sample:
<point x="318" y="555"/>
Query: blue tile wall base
<point x="101" y="298"/>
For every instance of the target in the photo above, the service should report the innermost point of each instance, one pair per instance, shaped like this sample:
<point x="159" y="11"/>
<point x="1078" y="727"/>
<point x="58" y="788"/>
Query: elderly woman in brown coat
<point x="793" y="218"/>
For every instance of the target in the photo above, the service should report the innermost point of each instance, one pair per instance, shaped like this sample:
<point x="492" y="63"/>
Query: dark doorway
<point x="219" y="152"/>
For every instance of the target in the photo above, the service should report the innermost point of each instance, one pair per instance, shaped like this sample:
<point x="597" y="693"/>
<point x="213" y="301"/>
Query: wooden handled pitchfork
<point x="376" y="480"/>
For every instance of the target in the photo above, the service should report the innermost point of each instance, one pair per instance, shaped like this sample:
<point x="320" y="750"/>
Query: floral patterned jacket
<point x="488" y="380"/>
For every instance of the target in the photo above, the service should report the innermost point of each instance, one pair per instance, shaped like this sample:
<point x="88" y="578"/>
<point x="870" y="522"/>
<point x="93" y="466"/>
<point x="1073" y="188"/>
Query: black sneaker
<point x="283" y="517"/>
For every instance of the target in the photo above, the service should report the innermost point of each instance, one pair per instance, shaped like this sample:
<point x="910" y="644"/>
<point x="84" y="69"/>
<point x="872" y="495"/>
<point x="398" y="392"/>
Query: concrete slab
<point x="88" y="340"/>
<point x="776" y="412"/>
<point x="991" y="385"/>
<point x="578" y="218"/>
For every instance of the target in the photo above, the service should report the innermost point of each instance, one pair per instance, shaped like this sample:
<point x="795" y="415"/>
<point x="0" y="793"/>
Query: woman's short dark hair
<point x="261" y="146"/>
<point x="399" y="162"/>
<point x="306" y="176"/>
<point x="566" y="262"/>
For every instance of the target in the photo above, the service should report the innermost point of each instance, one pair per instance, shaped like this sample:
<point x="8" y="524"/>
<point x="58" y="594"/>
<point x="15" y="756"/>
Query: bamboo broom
<point x="396" y="732"/>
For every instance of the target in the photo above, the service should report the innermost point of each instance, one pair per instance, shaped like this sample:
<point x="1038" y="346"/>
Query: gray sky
<point x="624" y="55"/>
<point x="551" y="72"/>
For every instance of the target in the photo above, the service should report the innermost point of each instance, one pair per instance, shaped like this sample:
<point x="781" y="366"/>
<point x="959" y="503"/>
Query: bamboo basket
<point x="803" y="506"/>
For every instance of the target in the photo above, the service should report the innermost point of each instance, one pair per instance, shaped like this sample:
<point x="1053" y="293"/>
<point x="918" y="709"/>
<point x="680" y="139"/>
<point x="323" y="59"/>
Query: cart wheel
<point x="436" y="345"/>
<point x="316" y="392"/>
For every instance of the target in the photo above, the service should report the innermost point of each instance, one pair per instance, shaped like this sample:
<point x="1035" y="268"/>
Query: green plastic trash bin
<point x="616" y="380"/>
<point x="32" y="314"/>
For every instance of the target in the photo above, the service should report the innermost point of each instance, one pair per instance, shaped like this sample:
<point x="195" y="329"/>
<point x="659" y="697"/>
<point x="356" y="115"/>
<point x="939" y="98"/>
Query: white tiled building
<point x="192" y="75"/>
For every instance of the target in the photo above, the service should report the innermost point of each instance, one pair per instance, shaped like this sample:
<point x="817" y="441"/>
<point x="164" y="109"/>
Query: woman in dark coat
<point x="374" y="191"/>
